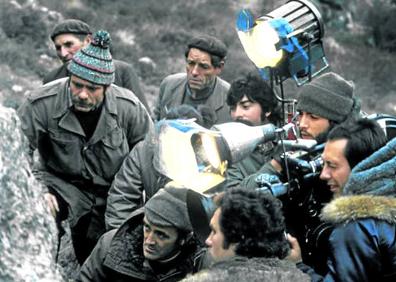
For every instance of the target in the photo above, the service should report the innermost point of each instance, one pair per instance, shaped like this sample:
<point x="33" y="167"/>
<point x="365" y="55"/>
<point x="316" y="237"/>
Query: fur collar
<point x="348" y="208"/>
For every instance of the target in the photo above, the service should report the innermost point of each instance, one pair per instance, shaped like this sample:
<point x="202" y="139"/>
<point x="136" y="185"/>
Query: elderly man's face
<point x="336" y="168"/>
<point x="66" y="45"/>
<point x="86" y="96"/>
<point x="312" y="125"/>
<point x="247" y="110"/>
<point x="215" y="241"/>
<point x="200" y="71"/>
<point x="159" y="243"/>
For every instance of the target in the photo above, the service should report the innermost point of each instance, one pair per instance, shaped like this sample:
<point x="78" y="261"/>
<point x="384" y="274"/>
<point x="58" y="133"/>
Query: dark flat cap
<point x="209" y="44"/>
<point x="71" y="26"/>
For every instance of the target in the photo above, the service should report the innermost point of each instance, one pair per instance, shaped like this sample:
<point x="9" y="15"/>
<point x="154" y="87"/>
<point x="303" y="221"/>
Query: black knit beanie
<point x="168" y="208"/>
<point x="329" y="96"/>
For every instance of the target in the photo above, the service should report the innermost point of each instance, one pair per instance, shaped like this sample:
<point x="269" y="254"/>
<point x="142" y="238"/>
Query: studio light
<point x="197" y="158"/>
<point x="286" y="42"/>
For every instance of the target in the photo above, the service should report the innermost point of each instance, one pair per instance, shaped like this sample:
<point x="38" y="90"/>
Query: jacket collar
<point x="216" y="100"/>
<point x="348" y="208"/>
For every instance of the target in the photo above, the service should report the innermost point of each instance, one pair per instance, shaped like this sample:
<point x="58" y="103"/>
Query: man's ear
<point x="87" y="40"/>
<point x="220" y="68"/>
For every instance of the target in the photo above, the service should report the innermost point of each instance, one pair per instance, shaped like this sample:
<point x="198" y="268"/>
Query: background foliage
<point x="360" y="40"/>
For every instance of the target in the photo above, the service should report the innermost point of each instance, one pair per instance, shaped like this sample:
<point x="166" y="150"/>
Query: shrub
<point x="382" y="21"/>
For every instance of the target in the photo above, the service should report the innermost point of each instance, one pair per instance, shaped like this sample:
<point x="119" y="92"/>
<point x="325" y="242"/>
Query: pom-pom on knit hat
<point x="94" y="62"/>
<point x="329" y="96"/>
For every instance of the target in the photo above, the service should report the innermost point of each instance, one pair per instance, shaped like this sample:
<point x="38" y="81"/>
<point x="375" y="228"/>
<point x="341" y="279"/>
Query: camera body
<point x="303" y="195"/>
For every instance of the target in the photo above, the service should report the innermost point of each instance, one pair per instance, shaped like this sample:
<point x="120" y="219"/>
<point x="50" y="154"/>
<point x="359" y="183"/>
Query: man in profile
<point x="325" y="102"/>
<point x="248" y="240"/>
<point x="361" y="169"/>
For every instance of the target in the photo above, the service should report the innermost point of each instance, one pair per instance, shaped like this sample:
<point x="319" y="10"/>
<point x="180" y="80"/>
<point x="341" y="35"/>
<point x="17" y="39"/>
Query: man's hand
<point x="295" y="250"/>
<point x="52" y="203"/>
<point x="276" y="164"/>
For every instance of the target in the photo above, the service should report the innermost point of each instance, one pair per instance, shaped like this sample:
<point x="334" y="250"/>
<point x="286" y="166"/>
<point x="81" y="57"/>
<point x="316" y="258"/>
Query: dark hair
<point x="254" y="221"/>
<point x="364" y="138"/>
<point x="256" y="90"/>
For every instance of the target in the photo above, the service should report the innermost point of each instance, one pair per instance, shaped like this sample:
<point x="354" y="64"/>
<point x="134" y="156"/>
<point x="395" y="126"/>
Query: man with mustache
<point x="326" y="101"/>
<point x="201" y="84"/>
<point x="83" y="127"/>
<point x="69" y="36"/>
<point x="155" y="243"/>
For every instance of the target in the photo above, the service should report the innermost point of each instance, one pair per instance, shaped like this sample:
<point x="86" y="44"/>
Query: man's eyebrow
<point x="244" y="101"/>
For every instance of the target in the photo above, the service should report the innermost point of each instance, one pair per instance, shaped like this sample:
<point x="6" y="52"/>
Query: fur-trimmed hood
<point x="370" y="191"/>
<point x="348" y="208"/>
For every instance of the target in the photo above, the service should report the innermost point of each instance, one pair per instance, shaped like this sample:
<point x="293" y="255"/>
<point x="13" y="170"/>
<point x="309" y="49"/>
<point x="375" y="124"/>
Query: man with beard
<point x="155" y="243"/>
<point x="323" y="103"/>
<point x="83" y="127"/>
<point x="201" y="84"/>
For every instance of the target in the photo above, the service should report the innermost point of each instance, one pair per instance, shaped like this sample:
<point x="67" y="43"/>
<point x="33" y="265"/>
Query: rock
<point x="27" y="230"/>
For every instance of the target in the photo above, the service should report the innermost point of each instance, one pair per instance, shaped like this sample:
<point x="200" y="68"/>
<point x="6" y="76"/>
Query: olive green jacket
<point x="77" y="168"/>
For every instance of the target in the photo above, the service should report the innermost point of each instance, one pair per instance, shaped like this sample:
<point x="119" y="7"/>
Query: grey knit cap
<point x="329" y="96"/>
<point x="209" y="44"/>
<point x="168" y="208"/>
<point x="70" y="26"/>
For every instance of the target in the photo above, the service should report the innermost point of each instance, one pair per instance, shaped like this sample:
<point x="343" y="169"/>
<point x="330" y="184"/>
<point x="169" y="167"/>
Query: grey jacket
<point x="125" y="76"/>
<point x="172" y="91"/>
<point x="135" y="183"/>
<point x="75" y="167"/>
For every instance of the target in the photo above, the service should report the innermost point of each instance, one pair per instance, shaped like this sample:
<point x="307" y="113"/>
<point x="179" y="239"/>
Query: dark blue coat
<point x="363" y="242"/>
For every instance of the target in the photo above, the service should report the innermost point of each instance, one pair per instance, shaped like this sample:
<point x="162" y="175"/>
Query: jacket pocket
<point x="110" y="153"/>
<point x="63" y="154"/>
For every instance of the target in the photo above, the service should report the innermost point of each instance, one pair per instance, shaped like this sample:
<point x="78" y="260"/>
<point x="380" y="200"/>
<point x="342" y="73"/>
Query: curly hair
<point x="254" y="221"/>
<point x="256" y="90"/>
